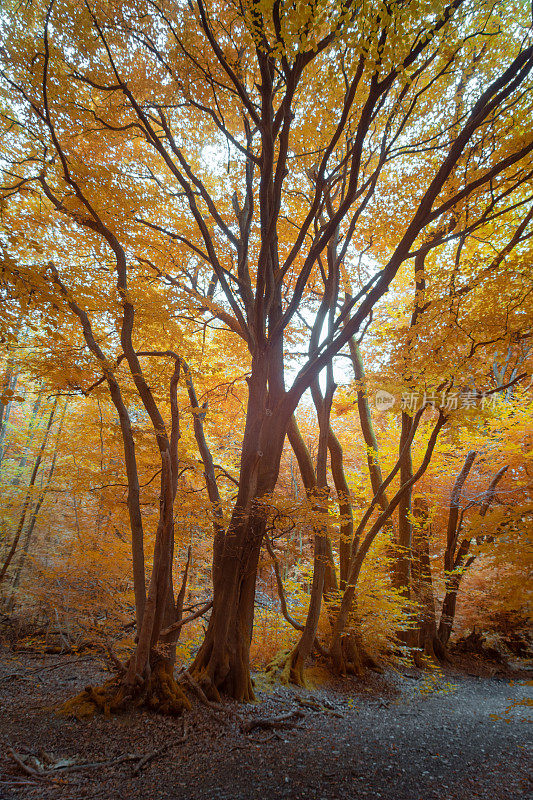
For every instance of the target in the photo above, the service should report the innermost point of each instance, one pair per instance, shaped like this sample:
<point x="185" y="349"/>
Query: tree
<point x="163" y="89"/>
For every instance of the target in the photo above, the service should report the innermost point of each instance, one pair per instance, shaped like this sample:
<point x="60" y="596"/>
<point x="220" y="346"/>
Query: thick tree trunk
<point x="223" y="662"/>
<point x="447" y="615"/>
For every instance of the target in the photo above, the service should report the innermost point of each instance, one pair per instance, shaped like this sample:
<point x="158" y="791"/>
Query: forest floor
<point x="460" y="734"/>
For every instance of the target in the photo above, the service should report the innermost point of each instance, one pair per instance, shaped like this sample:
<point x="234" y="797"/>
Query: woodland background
<point x="226" y="230"/>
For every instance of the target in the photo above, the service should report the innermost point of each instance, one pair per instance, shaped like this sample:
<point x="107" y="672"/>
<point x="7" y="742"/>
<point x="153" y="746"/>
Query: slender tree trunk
<point x="304" y="647"/>
<point x="404" y="555"/>
<point x="371" y="443"/>
<point x="10" y="383"/>
<point x="405" y="528"/>
<point x="35" y="511"/>
<point x="307" y="471"/>
<point x="345" y="506"/>
<point x="32" y="428"/>
<point x="422" y="581"/>
<point x="209" y="469"/>
<point x="358" y="556"/>
<point x="452" y="535"/>
<point x="29" y="494"/>
<point x="455" y="561"/>
<point x="367" y="427"/>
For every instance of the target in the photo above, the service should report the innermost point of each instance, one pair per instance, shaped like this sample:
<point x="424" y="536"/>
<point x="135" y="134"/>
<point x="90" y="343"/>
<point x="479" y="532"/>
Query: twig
<point x="20" y="676"/>
<point x="159" y="751"/>
<point x="319" y="707"/>
<point x="24" y="767"/>
<point x="141" y="758"/>
<point x="283" y="721"/>
<point x="92" y="764"/>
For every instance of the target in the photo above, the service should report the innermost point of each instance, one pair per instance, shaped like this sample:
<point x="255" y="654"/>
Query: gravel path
<point x="406" y="737"/>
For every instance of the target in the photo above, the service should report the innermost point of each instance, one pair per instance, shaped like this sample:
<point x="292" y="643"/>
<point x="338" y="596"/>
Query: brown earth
<point x="402" y="736"/>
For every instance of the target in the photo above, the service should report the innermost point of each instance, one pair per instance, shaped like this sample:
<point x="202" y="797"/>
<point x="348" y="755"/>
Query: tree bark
<point x="455" y="562"/>
<point x="29" y="494"/>
<point x="10" y="382"/>
<point x="35" y="511"/>
<point x="307" y="471"/>
<point x="422" y="581"/>
<point x="304" y="647"/>
<point x="222" y="663"/>
<point x="405" y="528"/>
<point x="336" y="651"/>
<point x="365" y="420"/>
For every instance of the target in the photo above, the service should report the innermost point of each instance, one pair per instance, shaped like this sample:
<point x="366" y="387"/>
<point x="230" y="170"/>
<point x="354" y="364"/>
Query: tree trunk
<point x="422" y="581"/>
<point x="307" y="471"/>
<point x="35" y="512"/>
<point x="371" y="442"/>
<point x="304" y="647"/>
<point x="336" y="650"/>
<point x="28" y="499"/>
<point x="209" y="469"/>
<point x="452" y="534"/>
<point x="455" y="565"/>
<point x="367" y="427"/>
<point x="32" y="428"/>
<point x="405" y="528"/>
<point x="223" y="662"/>
<point x="10" y="382"/>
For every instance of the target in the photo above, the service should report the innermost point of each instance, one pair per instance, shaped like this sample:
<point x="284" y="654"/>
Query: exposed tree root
<point x="424" y="660"/>
<point x="286" y="668"/>
<point x="223" y="672"/>
<point x="218" y="709"/>
<point x="296" y="664"/>
<point x="348" y="658"/>
<point x="159" y="692"/>
<point x="440" y="650"/>
<point x="430" y="655"/>
<point x="277" y="670"/>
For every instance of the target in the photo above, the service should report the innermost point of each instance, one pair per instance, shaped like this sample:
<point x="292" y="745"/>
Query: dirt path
<point x="403" y="738"/>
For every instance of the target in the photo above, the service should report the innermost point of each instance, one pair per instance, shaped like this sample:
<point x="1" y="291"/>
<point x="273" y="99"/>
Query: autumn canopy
<point x="266" y="331"/>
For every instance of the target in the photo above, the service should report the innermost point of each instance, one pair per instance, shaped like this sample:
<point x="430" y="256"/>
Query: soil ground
<point x="400" y="736"/>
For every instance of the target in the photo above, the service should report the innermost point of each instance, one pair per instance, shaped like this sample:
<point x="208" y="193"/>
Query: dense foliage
<point x="266" y="330"/>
